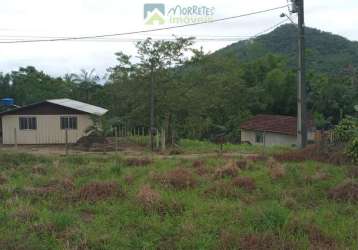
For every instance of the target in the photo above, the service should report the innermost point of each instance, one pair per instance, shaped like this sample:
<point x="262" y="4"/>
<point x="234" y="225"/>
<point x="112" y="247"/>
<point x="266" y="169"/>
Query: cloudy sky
<point x="23" y="19"/>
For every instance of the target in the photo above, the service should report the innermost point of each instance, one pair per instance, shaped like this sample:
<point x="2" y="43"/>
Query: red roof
<point x="273" y="123"/>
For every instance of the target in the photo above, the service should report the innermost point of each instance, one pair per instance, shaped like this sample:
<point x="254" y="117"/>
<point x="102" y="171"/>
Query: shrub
<point x="352" y="150"/>
<point x="346" y="129"/>
<point x="96" y="191"/>
<point x="244" y="182"/>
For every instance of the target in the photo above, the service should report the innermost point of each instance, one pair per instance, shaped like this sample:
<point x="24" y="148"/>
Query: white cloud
<point x="88" y="17"/>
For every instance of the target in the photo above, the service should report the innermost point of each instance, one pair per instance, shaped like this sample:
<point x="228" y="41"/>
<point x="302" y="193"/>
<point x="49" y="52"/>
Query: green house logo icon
<point x="154" y="13"/>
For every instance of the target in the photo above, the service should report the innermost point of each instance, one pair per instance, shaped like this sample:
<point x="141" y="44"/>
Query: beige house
<point x="48" y="122"/>
<point x="273" y="130"/>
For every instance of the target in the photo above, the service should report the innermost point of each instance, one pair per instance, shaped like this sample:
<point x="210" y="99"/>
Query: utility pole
<point x="298" y="6"/>
<point x="152" y="125"/>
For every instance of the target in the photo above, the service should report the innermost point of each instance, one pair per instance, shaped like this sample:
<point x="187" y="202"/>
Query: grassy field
<point x="106" y="202"/>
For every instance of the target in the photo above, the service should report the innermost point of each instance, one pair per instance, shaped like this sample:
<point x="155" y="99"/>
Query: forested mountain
<point x="325" y="52"/>
<point x="207" y="94"/>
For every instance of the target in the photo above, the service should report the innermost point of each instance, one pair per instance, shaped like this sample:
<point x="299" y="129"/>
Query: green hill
<point x="325" y="52"/>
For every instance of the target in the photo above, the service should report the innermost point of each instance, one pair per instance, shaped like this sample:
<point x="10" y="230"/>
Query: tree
<point x="156" y="59"/>
<point x="85" y="85"/>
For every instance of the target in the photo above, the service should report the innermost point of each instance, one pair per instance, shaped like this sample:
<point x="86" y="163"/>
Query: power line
<point x="270" y="28"/>
<point x="140" y="31"/>
<point x="209" y="38"/>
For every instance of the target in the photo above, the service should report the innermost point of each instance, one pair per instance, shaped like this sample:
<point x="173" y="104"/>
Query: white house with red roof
<point x="273" y="130"/>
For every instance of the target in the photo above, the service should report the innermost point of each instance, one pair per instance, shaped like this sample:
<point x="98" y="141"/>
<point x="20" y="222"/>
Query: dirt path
<point x="127" y="152"/>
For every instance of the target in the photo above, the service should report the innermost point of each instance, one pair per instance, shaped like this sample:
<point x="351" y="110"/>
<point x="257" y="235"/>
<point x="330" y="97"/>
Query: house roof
<point x="273" y="123"/>
<point x="81" y="106"/>
<point x="66" y="103"/>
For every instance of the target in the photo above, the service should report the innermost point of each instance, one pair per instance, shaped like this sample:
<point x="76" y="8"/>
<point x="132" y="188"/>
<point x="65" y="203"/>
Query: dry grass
<point x="244" y="182"/>
<point x="129" y="179"/>
<point x="177" y="178"/>
<point x="138" y="162"/>
<point x="63" y="187"/>
<point x="353" y="172"/>
<point x="230" y="169"/>
<point x="346" y="191"/>
<point x="242" y="164"/>
<point x="3" y="180"/>
<point x="264" y="241"/>
<point x="222" y="189"/>
<point x="318" y="176"/>
<point x="276" y="169"/>
<point x="96" y="191"/>
<point x="256" y="158"/>
<point x="319" y="240"/>
<point x="327" y="154"/>
<point x="148" y="198"/>
<point x="25" y="214"/>
<point x="200" y="168"/>
<point x="39" y="170"/>
<point x="198" y="163"/>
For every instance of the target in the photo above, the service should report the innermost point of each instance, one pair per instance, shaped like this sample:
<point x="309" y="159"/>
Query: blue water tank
<point x="7" y="101"/>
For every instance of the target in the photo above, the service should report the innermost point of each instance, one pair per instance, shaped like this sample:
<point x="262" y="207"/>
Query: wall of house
<point x="273" y="138"/>
<point x="270" y="138"/>
<point x="48" y="129"/>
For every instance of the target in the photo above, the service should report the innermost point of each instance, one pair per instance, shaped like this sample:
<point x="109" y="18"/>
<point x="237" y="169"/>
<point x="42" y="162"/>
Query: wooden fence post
<point x="66" y="140"/>
<point x="15" y="138"/>
<point x="163" y="138"/>
<point x="157" y="138"/>
<point x="116" y="138"/>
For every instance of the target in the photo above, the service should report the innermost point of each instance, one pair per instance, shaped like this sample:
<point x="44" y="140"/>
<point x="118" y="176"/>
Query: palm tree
<point x="86" y="82"/>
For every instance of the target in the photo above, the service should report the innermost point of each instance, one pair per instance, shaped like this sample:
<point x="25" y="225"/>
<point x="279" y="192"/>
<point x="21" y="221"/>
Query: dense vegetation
<point x="100" y="202"/>
<point x="208" y="94"/>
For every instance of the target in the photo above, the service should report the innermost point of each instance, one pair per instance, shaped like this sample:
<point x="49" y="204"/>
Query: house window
<point x="69" y="122"/>
<point x="259" y="137"/>
<point x="27" y="123"/>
